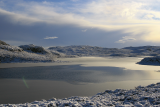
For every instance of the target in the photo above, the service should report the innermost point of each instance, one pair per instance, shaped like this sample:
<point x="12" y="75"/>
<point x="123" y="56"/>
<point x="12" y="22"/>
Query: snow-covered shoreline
<point x="141" y="96"/>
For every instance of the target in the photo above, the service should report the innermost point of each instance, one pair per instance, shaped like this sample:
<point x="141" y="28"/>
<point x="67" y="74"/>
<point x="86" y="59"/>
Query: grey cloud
<point x="50" y="37"/>
<point x="84" y="30"/>
<point x="125" y="39"/>
<point x="18" y="18"/>
<point x="18" y="33"/>
<point x="67" y="34"/>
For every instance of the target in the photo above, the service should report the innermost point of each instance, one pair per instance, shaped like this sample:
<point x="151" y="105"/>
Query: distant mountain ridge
<point x="25" y="53"/>
<point x="82" y="50"/>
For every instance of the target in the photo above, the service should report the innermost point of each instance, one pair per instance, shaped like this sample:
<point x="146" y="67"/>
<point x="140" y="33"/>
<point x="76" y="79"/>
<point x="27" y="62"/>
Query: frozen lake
<point x="86" y="76"/>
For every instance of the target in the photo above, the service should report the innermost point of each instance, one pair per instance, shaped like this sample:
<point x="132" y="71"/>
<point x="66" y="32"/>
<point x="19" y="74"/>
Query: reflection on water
<point x="74" y="74"/>
<point x="15" y="91"/>
<point x="81" y="77"/>
<point x="126" y="62"/>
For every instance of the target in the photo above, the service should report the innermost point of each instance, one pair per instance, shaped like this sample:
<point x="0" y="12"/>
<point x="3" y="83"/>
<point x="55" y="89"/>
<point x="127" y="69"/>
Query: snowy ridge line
<point x="32" y="53"/>
<point x="148" y="96"/>
<point x="90" y="51"/>
<point x="104" y="52"/>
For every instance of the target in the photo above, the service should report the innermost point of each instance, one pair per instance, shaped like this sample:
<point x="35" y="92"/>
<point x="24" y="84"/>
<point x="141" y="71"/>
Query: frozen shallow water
<point x="84" y="76"/>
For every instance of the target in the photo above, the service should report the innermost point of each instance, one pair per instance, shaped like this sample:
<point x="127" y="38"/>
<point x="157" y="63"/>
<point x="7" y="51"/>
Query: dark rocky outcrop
<point x="3" y="43"/>
<point x="33" y="48"/>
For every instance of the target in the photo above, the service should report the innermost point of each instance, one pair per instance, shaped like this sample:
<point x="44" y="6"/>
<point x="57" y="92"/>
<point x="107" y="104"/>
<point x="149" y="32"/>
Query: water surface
<point x="84" y="76"/>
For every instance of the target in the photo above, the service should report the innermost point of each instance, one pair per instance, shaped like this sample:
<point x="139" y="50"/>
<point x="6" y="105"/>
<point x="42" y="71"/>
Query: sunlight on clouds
<point x="49" y="15"/>
<point x="111" y="10"/>
<point x="145" y="32"/>
<point x="153" y="35"/>
<point x="19" y="18"/>
<point x="134" y="17"/>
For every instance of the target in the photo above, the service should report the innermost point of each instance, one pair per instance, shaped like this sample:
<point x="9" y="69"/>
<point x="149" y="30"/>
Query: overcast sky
<point x="105" y="23"/>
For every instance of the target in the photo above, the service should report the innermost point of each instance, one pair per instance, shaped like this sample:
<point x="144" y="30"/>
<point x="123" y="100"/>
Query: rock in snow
<point x="141" y="96"/>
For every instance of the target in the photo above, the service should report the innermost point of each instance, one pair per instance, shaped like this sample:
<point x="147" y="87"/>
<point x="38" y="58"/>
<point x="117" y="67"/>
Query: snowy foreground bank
<point x="148" y="96"/>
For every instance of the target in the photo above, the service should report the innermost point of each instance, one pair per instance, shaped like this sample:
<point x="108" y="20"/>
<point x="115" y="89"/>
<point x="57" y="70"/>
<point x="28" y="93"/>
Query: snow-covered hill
<point x="114" y="52"/>
<point x="11" y="48"/>
<point x="27" y="53"/>
<point x="150" y="61"/>
<point x="16" y="56"/>
<point x="91" y="51"/>
<point x="39" y="54"/>
<point x="145" y="50"/>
